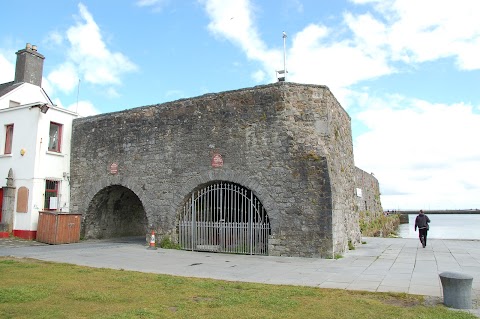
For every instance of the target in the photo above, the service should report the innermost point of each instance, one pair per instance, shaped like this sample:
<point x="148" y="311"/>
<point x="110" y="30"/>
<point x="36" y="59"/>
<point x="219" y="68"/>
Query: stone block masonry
<point x="368" y="193"/>
<point x="290" y="144"/>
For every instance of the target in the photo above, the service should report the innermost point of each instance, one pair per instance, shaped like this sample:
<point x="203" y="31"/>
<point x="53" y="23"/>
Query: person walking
<point x="421" y="222"/>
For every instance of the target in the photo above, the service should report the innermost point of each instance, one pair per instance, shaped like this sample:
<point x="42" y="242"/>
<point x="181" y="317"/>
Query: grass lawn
<point x="37" y="289"/>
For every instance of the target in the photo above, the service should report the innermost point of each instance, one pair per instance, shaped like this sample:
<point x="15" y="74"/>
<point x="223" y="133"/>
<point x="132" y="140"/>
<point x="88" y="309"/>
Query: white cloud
<point x="420" y="31"/>
<point x="393" y="31"/>
<point x="112" y="92"/>
<point x="83" y="108"/>
<point x="8" y="69"/>
<point x="258" y="76"/>
<point x="157" y="5"/>
<point x="420" y="151"/>
<point x="314" y="59"/>
<point x="64" y="77"/>
<point x="88" y="57"/>
<point x="233" y="20"/>
<point x="54" y="38"/>
<point x="146" y="3"/>
<point x="295" y="5"/>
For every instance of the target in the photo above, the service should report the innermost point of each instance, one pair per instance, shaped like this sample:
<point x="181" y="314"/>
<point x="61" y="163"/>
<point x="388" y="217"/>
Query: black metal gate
<point x="224" y="217"/>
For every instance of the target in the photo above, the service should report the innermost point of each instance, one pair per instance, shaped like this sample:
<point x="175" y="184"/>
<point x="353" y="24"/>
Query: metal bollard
<point x="457" y="290"/>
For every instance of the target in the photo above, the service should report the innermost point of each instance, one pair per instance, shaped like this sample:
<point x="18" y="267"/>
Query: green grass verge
<point x="37" y="289"/>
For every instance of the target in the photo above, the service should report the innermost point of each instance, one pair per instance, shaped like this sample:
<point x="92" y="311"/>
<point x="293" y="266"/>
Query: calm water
<point x="445" y="226"/>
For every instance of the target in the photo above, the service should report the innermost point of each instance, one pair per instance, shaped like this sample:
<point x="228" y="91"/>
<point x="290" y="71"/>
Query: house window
<point x="55" y="137"/>
<point x="8" y="138"/>
<point x="51" y="195"/>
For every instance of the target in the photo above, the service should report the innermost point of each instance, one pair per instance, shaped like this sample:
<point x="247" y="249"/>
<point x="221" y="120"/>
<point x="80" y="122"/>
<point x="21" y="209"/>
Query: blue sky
<point x="407" y="72"/>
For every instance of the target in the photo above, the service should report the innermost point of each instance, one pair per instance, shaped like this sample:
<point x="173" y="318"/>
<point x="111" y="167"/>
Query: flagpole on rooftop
<point x="78" y="92"/>
<point x="284" y="55"/>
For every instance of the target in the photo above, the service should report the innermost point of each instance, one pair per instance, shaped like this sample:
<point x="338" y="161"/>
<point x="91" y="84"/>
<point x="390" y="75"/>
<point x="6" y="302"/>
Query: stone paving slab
<point x="380" y="265"/>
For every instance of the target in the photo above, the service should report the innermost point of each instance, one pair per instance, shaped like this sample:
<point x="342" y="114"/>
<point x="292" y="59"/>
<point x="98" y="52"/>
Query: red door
<point x="1" y="202"/>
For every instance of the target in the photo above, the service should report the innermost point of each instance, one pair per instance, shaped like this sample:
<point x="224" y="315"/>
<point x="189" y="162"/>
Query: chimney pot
<point x="34" y="48"/>
<point x="28" y="46"/>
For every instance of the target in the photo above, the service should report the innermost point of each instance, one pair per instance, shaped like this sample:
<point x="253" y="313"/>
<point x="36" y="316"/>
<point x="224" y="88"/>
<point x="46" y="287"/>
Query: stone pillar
<point x="457" y="290"/>
<point x="8" y="207"/>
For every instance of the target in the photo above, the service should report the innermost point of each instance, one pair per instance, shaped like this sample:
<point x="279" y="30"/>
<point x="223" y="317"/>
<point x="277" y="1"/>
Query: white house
<point x="34" y="149"/>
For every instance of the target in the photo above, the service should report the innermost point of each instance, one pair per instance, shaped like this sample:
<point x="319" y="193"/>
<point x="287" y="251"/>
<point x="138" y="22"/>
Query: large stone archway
<point x="115" y="211"/>
<point x="226" y="217"/>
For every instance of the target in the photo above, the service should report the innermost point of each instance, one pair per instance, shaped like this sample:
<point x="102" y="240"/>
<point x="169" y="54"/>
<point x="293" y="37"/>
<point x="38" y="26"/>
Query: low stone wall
<point x="367" y="193"/>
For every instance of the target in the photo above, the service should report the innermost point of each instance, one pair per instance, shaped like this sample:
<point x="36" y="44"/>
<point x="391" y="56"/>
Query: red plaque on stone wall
<point x="217" y="160"/>
<point x="114" y="168"/>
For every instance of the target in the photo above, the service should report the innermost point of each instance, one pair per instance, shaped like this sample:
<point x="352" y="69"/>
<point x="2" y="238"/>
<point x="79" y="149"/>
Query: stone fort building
<point x="265" y="170"/>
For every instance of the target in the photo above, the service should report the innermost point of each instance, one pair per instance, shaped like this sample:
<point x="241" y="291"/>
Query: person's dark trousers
<point x="422" y="232"/>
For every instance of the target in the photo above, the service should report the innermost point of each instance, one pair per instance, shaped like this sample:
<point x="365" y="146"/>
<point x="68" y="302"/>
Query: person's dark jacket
<point x="421" y="221"/>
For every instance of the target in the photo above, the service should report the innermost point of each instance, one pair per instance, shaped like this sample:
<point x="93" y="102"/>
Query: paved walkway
<point x="381" y="265"/>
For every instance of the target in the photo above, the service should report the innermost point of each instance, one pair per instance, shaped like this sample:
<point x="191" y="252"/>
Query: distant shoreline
<point x="453" y="211"/>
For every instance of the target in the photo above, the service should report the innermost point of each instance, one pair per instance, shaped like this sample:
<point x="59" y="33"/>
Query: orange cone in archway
<point x="152" y="241"/>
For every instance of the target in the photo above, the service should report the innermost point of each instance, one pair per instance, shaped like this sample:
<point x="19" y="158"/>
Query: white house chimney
<point x="29" y="67"/>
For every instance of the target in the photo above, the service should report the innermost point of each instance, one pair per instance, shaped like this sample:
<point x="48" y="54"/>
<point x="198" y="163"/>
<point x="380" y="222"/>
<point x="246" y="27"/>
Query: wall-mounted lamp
<point x="43" y="107"/>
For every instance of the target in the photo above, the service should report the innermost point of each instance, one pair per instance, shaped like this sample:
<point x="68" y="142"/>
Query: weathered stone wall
<point x="325" y="130"/>
<point x="290" y="144"/>
<point x="370" y="191"/>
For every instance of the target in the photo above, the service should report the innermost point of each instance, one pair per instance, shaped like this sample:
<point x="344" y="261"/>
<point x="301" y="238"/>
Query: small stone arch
<point x="115" y="211"/>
